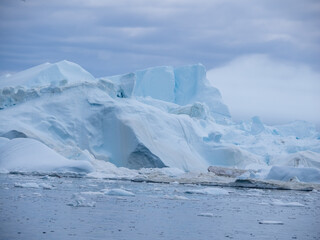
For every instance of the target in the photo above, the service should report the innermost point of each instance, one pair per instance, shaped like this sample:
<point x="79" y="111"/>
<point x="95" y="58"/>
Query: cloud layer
<point x="108" y="37"/>
<point x="276" y="91"/>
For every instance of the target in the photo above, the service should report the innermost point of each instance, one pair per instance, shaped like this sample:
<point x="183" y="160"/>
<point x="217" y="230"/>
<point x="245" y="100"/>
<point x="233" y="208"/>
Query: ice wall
<point x="182" y="85"/>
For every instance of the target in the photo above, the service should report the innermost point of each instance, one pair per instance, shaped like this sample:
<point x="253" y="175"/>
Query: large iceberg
<point x="153" y="118"/>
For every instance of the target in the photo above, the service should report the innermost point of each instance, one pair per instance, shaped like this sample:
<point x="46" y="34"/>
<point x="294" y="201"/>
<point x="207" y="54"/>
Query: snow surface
<point x="25" y="154"/>
<point x="58" y="117"/>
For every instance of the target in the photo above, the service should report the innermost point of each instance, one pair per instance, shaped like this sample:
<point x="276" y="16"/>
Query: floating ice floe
<point x="271" y="222"/>
<point x="27" y="185"/>
<point x="278" y="202"/>
<point x="205" y="215"/>
<point x="175" y="197"/>
<point x="79" y="201"/>
<point x="118" y="192"/>
<point x="208" y="191"/>
<point x="34" y="185"/>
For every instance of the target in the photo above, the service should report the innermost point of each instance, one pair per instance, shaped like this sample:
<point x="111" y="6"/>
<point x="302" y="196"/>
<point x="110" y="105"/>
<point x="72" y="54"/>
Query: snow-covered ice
<point x="26" y="154"/>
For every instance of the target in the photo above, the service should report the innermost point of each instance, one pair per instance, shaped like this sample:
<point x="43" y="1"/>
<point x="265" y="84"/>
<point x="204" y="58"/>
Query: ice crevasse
<point x="157" y="117"/>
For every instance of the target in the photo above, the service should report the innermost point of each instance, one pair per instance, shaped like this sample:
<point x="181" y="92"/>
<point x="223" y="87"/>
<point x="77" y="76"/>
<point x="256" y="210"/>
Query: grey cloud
<point x="109" y="37"/>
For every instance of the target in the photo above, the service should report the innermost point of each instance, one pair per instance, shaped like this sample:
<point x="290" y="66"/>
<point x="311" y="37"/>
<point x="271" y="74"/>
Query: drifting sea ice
<point x="118" y="192"/>
<point x="208" y="191"/>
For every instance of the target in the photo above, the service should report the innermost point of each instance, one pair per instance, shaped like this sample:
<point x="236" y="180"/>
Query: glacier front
<point x="153" y="118"/>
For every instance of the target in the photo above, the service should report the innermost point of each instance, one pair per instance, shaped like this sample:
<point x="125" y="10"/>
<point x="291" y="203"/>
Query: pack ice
<point x="58" y="116"/>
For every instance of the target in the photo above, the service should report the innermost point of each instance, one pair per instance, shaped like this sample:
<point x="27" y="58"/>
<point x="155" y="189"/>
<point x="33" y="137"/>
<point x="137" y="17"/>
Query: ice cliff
<point x="153" y="118"/>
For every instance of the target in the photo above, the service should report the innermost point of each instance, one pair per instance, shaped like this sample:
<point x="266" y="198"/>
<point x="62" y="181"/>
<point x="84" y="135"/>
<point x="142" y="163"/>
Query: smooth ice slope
<point x="25" y="154"/>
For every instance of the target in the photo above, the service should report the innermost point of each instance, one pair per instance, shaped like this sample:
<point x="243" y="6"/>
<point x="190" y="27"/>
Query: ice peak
<point x="48" y="74"/>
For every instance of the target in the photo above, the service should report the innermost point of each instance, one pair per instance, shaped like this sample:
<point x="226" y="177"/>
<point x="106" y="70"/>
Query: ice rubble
<point x="153" y="118"/>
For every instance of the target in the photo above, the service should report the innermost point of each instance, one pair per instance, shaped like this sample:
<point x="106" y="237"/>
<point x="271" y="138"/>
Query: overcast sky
<point x="112" y="37"/>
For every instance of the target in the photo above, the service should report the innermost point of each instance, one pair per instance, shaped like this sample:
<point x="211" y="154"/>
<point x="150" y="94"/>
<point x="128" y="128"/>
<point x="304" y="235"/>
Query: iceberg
<point x="153" y="118"/>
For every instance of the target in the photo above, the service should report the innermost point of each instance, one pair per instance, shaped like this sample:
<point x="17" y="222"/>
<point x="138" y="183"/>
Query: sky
<point x="269" y="49"/>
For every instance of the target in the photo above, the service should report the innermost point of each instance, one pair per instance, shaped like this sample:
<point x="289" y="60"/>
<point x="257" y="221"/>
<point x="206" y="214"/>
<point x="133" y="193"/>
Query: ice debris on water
<point x="33" y="185"/>
<point x="118" y="192"/>
<point x="92" y="193"/>
<point x="175" y="197"/>
<point x="208" y="191"/>
<point x="80" y="201"/>
<point x="27" y="185"/>
<point x="205" y="215"/>
<point x="270" y="222"/>
<point x="278" y="202"/>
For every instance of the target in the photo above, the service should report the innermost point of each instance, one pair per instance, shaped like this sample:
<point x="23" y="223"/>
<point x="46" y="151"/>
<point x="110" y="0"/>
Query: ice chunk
<point x="205" y="214"/>
<point x="80" y="201"/>
<point x="175" y="197"/>
<point x="118" y="192"/>
<point x="27" y="185"/>
<point x="271" y="222"/>
<point x="278" y="202"/>
<point x="288" y="173"/>
<point x="27" y="155"/>
<point x="208" y="191"/>
<point x="92" y="193"/>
